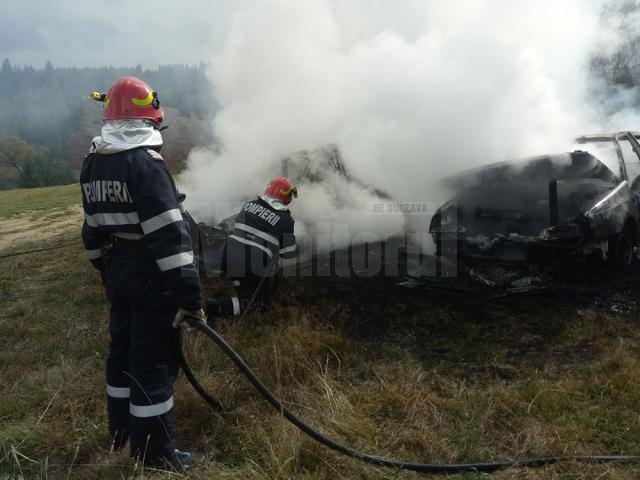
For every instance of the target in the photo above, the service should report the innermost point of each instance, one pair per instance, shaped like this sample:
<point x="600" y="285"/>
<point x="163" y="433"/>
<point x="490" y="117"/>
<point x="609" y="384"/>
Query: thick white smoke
<point x="409" y="91"/>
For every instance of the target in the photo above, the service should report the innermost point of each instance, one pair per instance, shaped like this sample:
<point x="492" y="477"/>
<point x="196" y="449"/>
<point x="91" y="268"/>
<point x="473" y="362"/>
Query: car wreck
<point x="548" y="210"/>
<point x="304" y="167"/>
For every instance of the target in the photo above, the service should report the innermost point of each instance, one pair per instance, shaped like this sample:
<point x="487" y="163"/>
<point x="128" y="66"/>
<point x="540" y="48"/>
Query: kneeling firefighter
<point x="263" y="233"/>
<point x="135" y="235"/>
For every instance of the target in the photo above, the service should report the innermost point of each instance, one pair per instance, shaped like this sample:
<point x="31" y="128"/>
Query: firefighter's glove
<point x="180" y="320"/>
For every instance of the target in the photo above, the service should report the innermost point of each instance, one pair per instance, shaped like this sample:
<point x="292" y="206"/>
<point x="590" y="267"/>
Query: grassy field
<point x="14" y="202"/>
<point x="408" y="374"/>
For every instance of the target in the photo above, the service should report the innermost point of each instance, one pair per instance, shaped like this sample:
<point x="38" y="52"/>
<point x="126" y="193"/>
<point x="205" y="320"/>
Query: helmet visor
<point x="291" y="192"/>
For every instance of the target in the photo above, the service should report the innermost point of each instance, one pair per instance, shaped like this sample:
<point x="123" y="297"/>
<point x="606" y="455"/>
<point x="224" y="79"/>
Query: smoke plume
<point x="409" y="91"/>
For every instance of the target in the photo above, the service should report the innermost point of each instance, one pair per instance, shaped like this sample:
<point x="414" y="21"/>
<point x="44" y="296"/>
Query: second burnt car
<point x="322" y="165"/>
<point x="548" y="209"/>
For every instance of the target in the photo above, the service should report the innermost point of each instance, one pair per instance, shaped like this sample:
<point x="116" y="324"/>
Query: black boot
<point x="223" y="306"/>
<point x="214" y="306"/>
<point x="178" y="461"/>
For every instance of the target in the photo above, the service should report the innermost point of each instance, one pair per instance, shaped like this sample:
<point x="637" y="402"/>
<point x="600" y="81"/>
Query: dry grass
<point x="405" y="374"/>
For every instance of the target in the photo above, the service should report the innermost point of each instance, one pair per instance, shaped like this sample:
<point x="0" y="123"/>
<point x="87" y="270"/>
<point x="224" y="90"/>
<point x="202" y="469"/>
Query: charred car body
<point x="548" y="209"/>
<point x="304" y="167"/>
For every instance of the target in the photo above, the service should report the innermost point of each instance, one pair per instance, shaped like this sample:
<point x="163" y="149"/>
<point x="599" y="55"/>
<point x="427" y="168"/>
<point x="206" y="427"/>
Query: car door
<point x="630" y="150"/>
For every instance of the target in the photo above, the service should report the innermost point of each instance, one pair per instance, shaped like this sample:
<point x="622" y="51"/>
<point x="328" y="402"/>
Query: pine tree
<point x="6" y="67"/>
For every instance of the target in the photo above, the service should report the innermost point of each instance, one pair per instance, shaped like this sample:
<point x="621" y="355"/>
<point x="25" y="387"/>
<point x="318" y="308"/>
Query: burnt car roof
<point x="603" y="137"/>
<point x="539" y="165"/>
<point x="577" y="164"/>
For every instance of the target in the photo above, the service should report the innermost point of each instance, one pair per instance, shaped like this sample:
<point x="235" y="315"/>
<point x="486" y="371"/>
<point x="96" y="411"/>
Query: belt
<point x="132" y="237"/>
<point x="123" y="242"/>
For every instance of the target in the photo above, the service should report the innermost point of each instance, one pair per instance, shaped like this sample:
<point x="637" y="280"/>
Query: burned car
<point x="549" y="209"/>
<point x="323" y="164"/>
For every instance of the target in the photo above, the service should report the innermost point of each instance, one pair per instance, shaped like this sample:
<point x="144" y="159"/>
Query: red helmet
<point x="130" y="97"/>
<point x="281" y="189"/>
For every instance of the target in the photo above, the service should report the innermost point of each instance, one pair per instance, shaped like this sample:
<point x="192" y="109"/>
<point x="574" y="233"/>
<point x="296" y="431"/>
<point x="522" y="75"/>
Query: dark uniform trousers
<point x="142" y="363"/>
<point x="248" y="272"/>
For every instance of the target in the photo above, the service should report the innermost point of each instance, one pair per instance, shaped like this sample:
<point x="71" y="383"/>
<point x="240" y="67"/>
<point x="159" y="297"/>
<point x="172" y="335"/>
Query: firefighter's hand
<point x="183" y="314"/>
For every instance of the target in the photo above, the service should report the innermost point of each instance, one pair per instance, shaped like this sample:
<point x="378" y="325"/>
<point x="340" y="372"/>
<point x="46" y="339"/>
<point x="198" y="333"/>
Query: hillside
<point x="48" y="112"/>
<point x="410" y="374"/>
<point x="184" y="134"/>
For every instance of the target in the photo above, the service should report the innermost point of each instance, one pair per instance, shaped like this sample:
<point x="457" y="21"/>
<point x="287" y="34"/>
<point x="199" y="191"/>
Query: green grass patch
<point x="14" y="202"/>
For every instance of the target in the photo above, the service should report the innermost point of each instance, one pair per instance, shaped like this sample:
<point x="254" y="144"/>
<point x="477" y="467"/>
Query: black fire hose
<point x="373" y="459"/>
<point x="186" y="368"/>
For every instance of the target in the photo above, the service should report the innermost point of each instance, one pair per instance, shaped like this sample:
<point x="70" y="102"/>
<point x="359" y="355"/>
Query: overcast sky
<point x="113" y="32"/>
<point x="130" y="32"/>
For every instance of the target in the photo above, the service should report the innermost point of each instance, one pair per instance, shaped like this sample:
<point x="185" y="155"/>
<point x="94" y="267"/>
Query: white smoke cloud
<point x="409" y="91"/>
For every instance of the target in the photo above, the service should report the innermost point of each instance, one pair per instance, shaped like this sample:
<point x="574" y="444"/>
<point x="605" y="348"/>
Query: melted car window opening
<point x="605" y="151"/>
<point x="631" y="160"/>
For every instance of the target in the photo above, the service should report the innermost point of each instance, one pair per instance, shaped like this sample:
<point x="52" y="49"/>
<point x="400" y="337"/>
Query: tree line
<point x="40" y="109"/>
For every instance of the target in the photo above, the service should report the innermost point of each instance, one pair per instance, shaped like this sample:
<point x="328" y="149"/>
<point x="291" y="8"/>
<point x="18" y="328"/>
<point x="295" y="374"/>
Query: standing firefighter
<point x="263" y="232"/>
<point x="135" y="235"/>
